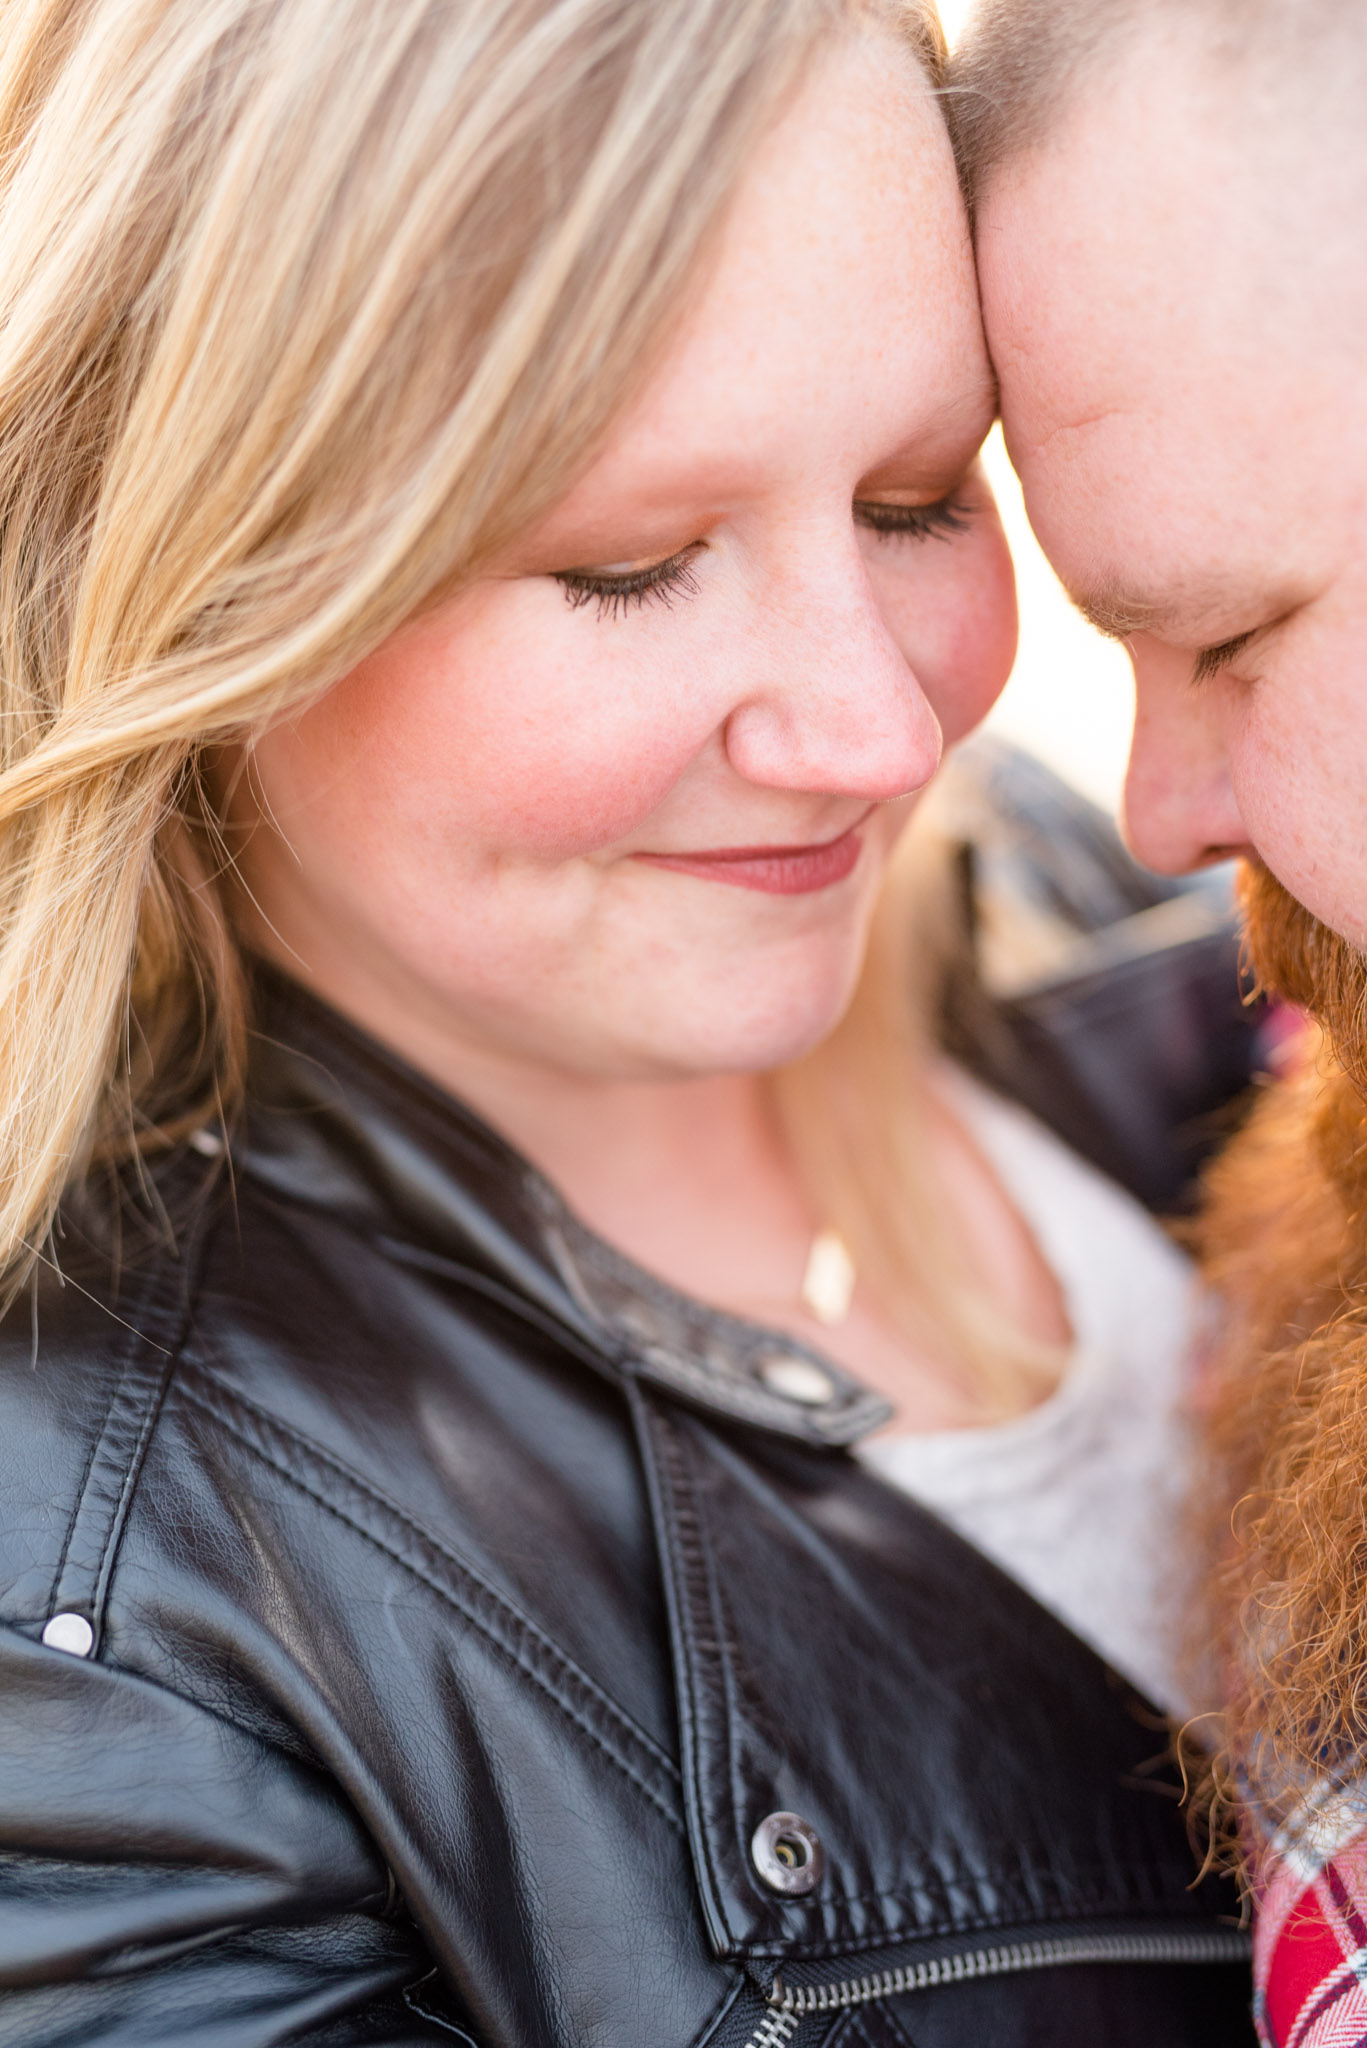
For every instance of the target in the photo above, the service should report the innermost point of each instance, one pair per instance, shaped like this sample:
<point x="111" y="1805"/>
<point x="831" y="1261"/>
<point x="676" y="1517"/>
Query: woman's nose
<point x="836" y="708"/>
<point x="1179" y="807"/>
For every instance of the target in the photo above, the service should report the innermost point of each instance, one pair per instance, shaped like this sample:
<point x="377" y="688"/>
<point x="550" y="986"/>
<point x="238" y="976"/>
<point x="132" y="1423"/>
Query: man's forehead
<point x="1180" y="358"/>
<point x="1147" y="366"/>
<point x="1099" y="286"/>
<point x="1152" y="213"/>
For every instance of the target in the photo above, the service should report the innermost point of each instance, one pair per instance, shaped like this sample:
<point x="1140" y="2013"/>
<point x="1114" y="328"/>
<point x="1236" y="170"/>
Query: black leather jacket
<point x="458" y="1606"/>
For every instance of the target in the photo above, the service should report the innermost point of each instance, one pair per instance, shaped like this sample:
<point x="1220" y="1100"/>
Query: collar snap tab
<point x="797" y="1379"/>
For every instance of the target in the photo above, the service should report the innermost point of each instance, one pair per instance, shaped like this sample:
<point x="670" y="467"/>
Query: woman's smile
<point x="773" y="870"/>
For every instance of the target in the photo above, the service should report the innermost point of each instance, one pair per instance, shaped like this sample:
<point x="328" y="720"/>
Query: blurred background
<point x="1071" y="697"/>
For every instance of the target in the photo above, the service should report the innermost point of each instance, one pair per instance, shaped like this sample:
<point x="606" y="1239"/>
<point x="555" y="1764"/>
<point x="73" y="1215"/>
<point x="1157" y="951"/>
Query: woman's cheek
<point x="953" y="614"/>
<point x="501" y="739"/>
<point x="984" y="641"/>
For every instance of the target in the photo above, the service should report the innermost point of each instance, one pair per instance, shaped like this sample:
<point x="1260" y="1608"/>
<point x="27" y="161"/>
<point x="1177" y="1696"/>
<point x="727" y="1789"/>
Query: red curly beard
<point x="1284" y="1239"/>
<point x="1299" y="958"/>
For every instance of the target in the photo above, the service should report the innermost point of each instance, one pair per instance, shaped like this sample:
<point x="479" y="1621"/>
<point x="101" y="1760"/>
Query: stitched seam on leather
<point x="1005" y="1924"/>
<point x="517" y="1652"/>
<point x="685" y="1530"/>
<point x="94" y="1452"/>
<point x="134" y="1443"/>
<point x="733" y="1676"/>
<point x="429" y="1541"/>
<point x="117" y="1454"/>
<point x="128" y="1339"/>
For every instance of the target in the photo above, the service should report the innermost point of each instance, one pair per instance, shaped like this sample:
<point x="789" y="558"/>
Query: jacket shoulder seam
<point x="156" y="1333"/>
<point x="426" y="1558"/>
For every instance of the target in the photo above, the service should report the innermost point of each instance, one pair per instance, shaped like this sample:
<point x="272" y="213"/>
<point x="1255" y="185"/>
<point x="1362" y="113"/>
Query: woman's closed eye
<point x="618" y="587"/>
<point x="940" y="521"/>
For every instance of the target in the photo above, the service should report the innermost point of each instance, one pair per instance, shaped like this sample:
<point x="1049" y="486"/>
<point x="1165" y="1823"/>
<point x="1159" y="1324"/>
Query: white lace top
<point x="1082" y="1498"/>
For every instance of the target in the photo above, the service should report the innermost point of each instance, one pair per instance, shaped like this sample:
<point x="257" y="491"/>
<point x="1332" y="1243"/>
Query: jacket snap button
<point x="788" y="1855"/>
<point x="70" y="1632"/>
<point x="797" y="1379"/>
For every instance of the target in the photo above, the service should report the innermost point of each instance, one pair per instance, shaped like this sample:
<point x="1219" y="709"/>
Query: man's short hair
<point x="1021" y="62"/>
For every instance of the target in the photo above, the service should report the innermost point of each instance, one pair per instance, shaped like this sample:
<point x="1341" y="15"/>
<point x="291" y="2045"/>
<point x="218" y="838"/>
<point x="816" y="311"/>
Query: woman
<point x="492" y="546"/>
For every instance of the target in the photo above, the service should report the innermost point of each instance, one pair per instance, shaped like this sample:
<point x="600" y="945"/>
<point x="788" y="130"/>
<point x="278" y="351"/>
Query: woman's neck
<point x="691" y="1178"/>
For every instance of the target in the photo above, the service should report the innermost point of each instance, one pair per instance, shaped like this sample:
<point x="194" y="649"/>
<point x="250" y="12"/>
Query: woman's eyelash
<point x="1211" y="660"/>
<point x="940" y="521"/>
<point x="660" y="583"/>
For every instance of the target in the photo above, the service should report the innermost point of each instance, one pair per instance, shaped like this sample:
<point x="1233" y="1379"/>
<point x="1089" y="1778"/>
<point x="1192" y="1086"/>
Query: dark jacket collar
<point x="337" y="1122"/>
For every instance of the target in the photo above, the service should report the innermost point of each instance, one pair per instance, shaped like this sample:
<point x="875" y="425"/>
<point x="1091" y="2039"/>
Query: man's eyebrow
<point x="1116" y="616"/>
<point x="1187" y="610"/>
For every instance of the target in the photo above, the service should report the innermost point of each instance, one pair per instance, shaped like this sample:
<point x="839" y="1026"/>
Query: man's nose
<point x="836" y="707"/>
<point x="1179" y="807"/>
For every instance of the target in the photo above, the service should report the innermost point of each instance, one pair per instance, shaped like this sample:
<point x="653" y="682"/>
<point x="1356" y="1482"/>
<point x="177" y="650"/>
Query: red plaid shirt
<point x="1310" y="1934"/>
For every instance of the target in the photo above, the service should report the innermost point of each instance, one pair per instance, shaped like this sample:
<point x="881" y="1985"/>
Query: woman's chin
<point x="743" y="1031"/>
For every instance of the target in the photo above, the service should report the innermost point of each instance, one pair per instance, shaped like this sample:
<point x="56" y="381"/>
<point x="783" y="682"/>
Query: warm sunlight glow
<point x="1071" y="694"/>
<point x="953" y="13"/>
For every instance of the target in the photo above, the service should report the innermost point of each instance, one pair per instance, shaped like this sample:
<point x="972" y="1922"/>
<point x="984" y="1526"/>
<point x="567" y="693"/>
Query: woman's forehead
<point x="837" y="320"/>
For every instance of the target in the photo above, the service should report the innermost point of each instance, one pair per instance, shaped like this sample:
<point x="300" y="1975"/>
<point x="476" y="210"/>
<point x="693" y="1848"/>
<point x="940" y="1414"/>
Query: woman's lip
<point x="773" y="870"/>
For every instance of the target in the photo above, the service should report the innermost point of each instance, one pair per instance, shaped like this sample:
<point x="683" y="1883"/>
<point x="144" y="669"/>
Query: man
<point x="1170" y="200"/>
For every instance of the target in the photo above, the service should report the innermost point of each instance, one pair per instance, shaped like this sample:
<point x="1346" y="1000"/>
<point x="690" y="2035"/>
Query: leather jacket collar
<point x="339" y="1122"/>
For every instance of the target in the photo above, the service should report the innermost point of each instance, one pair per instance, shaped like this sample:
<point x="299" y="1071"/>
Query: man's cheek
<point x="1309" y="824"/>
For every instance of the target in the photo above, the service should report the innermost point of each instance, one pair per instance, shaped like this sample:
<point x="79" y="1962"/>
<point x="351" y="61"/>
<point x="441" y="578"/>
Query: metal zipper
<point x="775" y="2030"/>
<point x="790" y="2007"/>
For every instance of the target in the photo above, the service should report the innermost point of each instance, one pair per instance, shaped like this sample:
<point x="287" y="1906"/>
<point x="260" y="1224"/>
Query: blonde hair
<point x="306" y="308"/>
